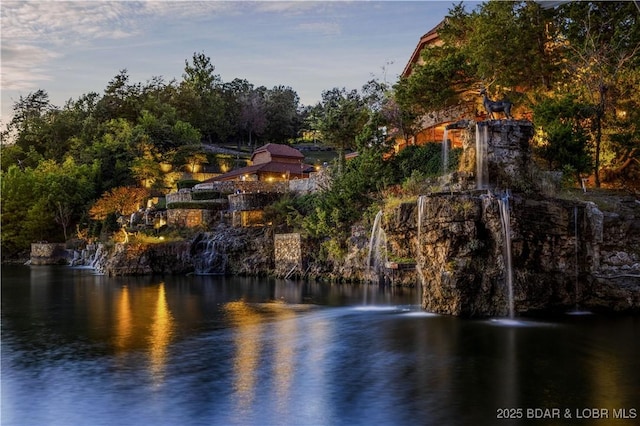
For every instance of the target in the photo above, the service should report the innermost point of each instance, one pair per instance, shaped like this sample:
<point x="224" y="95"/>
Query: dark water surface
<point x="81" y="349"/>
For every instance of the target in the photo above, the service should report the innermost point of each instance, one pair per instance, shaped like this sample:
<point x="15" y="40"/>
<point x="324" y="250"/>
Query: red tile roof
<point x="278" y="150"/>
<point x="271" y="167"/>
<point x="274" y="166"/>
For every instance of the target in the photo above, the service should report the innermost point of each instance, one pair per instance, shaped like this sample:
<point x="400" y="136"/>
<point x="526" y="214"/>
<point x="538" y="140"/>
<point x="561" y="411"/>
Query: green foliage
<point x="42" y="203"/>
<point x="201" y="195"/>
<point x="340" y="118"/>
<point x="424" y="159"/>
<point x="416" y="184"/>
<point x="332" y="250"/>
<point x="581" y="55"/>
<point x="510" y="46"/>
<point x="281" y="114"/>
<point x="288" y="213"/>
<point x="438" y="82"/>
<point x="562" y="139"/>
<point x="332" y="212"/>
<point x="187" y="183"/>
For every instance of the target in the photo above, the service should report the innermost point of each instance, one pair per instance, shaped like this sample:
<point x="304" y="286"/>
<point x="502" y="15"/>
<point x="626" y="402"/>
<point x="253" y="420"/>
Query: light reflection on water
<point x="84" y="349"/>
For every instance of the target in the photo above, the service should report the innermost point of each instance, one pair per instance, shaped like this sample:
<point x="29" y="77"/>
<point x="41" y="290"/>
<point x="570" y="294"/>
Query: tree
<point x="501" y="44"/>
<point x="18" y="187"/>
<point x="341" y="116"/>
<point x="200" y="97"/>
<point x="121" y="99"/>
<point x="510" y="45"/>
<point x="441" y="80"/>
<point x="563" y="140"/>
<point x="281" y="109"/>
<point x="253" y="118"/>
<point x="602" y="43"/>
<point x="621" y="162"/>
<point x="67" y="188"/>
<point x="30" y="119"/>
<point x="34" y="200"/>
<point x="146" y="169"/>
<point x="121" y="200"/>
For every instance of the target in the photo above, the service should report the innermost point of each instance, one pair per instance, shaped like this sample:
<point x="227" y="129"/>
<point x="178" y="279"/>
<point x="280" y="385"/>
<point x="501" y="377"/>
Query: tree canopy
<point x="575" y="66"/>
<point x="586" y="52"/>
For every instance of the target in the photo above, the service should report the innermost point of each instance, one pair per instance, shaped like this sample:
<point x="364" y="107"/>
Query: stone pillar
<point x="288" y="254"/>
<point x="508" y="152"/>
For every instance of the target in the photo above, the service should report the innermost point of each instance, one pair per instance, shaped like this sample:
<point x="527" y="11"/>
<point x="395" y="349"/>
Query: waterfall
<point x="377" y="245"/>
<point x="482" y="167"/>
<point x="575" y="236"/>
<point x="210" y="256"/>
<point x="445" y="151"/>
<point x="421" y="206"/>
<point x="503" y="204"/>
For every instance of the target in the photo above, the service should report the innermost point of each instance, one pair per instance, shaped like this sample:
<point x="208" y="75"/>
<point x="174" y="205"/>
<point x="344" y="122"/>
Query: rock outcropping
<point x="562" y="254"/>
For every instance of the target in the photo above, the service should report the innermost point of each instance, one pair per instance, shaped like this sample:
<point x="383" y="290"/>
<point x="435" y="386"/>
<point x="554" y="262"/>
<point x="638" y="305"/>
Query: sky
<point x="70" y="48"/>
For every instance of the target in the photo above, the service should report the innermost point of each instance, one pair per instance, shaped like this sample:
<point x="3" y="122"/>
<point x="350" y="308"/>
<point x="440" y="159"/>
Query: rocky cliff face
<point x="564" y="254"/>
<point x="224" y="250"/>
<point x="146" y="259"/>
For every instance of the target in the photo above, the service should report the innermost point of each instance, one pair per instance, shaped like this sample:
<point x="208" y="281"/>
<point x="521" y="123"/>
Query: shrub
<point x="187" y="183"/>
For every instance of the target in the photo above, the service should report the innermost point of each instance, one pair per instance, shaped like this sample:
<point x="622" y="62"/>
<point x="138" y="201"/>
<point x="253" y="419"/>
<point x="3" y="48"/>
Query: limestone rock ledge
<point x="565" y="254"/>
<point x="245" y="252"/>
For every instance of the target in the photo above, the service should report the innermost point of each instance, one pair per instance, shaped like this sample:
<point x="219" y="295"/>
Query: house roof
<point x="427" y="39"/>
<point x="278" y="150"/>
<point x="270" y="167"/>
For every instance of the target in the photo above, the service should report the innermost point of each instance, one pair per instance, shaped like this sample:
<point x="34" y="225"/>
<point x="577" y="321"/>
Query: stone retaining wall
<point x="190" y="218"/>
<point x="253" y="201"/>
<point x="235" y="186"/>
<point x="49" y="254"/>
<point x="288" y="253"/>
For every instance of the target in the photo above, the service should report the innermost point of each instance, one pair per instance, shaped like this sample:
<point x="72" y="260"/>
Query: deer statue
<point x="493" y="106"/>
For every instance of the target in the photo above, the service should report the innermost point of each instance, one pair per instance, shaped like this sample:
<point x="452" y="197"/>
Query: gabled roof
<point x="429" y="38"/>
<point x="270" y="167"/>
<point x="278" y="150"/>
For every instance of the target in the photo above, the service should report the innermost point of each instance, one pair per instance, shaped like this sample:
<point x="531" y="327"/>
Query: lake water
<point x="81" y="349"/>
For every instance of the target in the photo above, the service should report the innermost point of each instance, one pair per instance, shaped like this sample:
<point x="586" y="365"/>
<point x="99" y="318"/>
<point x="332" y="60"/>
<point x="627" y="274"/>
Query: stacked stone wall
<point x="190" y="218"/>
<point x="254" y="201"/>
<point x="288" y="253"/>
<point x="48" y="254"/>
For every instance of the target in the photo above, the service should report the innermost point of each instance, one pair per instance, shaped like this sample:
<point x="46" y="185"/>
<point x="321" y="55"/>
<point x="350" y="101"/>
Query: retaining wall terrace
<point x="190" y="218"/>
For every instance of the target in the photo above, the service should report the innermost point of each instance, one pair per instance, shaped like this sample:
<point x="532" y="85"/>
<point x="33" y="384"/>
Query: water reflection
<point x="210" y="350"/>
<point x="123" y="322"/>
<point x="247" y="340"/>
<point x="160" y="336"/>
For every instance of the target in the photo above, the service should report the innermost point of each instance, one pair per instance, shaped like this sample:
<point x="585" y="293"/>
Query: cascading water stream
<point x="445" y="152"/>
<point x="503" y="204"/>
<point x="377" y="245"/>
<point x="210" y="257"/>
<point x="575" y="235"/>
<point x="374" y="239"/>
<point x="421" y="206"/>
<point x="482" y="167"/>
